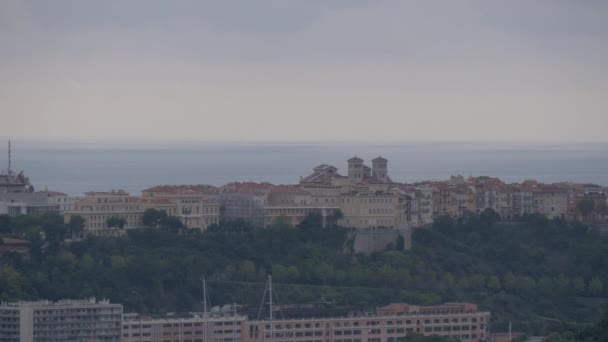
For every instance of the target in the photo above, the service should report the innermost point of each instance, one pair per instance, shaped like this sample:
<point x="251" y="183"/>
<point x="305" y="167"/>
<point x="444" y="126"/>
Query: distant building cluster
<point x="91" y="320"/>
<point x="18" y="196"/>
<point x="365" y="198"/>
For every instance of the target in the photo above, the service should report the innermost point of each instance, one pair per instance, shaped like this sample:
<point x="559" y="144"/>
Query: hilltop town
<point x="364" y="198"/>
<point x="451" y="255"/>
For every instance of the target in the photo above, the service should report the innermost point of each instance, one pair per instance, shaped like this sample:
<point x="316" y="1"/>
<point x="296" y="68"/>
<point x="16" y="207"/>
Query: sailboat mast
<point x="270" y="304"/>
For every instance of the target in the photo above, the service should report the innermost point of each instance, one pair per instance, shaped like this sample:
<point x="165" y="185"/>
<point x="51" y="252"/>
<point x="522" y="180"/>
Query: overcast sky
<point x="353" y="70"/>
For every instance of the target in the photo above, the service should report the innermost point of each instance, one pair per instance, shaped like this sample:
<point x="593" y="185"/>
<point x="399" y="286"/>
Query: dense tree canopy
<point x="529" y="274"/>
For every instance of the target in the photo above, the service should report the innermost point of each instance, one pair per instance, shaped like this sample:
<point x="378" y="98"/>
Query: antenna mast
<point x="9" y="157"/>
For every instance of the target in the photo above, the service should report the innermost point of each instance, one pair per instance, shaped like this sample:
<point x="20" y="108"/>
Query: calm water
<point x="77" y="167"/>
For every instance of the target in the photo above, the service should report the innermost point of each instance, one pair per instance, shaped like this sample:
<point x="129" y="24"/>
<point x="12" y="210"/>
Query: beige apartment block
<point x="198" y="327"/>
<point x="367" y="207"/>
<point x="551" y="201"/>
<point x="458" y="320"/>
<point x="290" y="205"/>
<point x="97" y="207"/>
<point x="197" y="206"/>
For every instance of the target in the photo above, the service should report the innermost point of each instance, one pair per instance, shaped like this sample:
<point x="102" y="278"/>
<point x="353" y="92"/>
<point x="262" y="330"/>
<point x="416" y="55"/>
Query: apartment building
<point x="424" y="199"/>
<point x="551" y="201"/>
<point x="66" y="320"/>
<point x="197" y="206"/>
<point x="244" y="201"/>
<point x="199" y="327"/>
<point x="62" y="200"/>
<point x="290" y="205"/>
<point x="97" y="207"/>
<point x="388" y="324"/>
<point x="373" y="206"/>
<point x="461" y="321"/>
<point x="18" y="196"/>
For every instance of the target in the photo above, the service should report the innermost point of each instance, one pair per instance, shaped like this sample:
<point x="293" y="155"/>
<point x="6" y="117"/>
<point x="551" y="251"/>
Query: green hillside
<point x="536" y="273"/>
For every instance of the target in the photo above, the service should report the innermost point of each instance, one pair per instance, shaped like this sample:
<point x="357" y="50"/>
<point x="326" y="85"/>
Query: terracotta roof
<point x="288" y="189"/>
<point x="155" y="201"/>
<point x="107" y="193"/>
<point x="12" y="241"/>
<point x="184" y="189"/>
<point x="246" y="187"/>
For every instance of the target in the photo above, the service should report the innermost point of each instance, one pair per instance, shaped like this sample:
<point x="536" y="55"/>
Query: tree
<point x="172" y="224"/>
<point x="116" y="222"/>
<point x="586" y="207"/>
<point x="557" y="337"/>
<point x="76" y="225"/>
<point x="448" y="281"/>
<point x="312" y="220"/>
<point x="602" y="209"/>
<point x="579" y="285"/>
<point x="247" y="270"/>
<point x="596" y="286"/>
<point x="489" y="216"/>
<point x="54" y="233"/>
<point x="545" y="285"/>
<point x="5" y="223"/>
<point x="600" y="331"/>
<point x="400" y="243"/>
<point x="335" y="217"/>
<point x="153" y="217"/>
<point x="10" y="284"/>
<point x="293" y="273"/>
<point x="279" y="272"/>
<point x="494" y="283"/>
<point x="562" y="284"/>
<point x="510" y="281"/>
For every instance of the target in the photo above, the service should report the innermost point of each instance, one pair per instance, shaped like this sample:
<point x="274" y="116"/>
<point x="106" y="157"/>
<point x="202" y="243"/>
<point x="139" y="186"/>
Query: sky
<point x="314" y="70"/>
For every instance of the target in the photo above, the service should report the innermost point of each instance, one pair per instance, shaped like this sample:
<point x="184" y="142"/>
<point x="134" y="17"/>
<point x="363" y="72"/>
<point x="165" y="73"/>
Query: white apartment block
<point x="66" y="320"/>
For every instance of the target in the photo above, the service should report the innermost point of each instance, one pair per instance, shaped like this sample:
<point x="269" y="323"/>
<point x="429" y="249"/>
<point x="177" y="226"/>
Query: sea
<point x="75" y="167"/>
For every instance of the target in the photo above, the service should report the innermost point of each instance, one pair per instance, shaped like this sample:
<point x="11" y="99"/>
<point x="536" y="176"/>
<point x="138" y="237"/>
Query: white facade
<point x="66" y="320"/>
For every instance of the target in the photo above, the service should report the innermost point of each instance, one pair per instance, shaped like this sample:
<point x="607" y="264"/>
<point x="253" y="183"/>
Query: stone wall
<point x="372" y="240"/>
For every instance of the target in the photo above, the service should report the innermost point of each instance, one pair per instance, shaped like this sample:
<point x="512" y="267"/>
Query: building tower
<point x="355" y="168"/>
<point x="380" y="169"/>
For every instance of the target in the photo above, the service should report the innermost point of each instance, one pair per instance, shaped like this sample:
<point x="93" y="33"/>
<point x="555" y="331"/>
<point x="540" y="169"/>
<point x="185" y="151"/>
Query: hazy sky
<point x="305" y="70"/>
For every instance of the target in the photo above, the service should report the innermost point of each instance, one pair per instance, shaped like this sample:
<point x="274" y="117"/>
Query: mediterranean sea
<point x="75" y="167"/>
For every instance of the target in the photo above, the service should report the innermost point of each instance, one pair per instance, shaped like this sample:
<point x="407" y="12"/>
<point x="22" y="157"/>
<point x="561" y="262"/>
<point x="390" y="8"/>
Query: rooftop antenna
<point x="9" y="157"/>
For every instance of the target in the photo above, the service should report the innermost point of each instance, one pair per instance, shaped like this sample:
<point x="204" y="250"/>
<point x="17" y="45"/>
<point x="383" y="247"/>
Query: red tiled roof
<point x="184" y="189"/>
<point x="246" y="187"/>
<point x="12" y="241"/>
<point x="155" y="201"/>
<point x="288" y="189"/>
